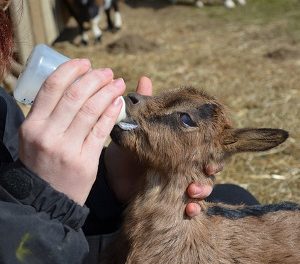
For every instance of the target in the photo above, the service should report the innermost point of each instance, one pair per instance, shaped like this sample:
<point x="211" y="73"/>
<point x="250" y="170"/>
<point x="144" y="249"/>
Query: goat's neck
<point x="156" y="219"/>
<point x="163" y="197"/>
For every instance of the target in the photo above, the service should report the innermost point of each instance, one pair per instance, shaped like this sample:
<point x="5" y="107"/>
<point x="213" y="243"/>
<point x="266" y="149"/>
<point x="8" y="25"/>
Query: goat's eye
<point x="187" y="120"/>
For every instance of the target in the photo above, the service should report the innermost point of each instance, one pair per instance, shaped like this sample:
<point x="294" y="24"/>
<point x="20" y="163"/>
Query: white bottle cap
<point x="122" y="114"/>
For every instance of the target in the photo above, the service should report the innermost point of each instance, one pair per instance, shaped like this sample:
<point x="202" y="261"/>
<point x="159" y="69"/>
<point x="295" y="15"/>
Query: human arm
<point x="34" y="217"/>
<point x="55" y="206"/>
<point x="38" y="224"/>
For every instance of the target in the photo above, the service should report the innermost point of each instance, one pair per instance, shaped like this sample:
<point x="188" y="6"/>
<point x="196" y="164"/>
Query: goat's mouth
<point x="121" y="130"/>
<point x="127" y="125"/>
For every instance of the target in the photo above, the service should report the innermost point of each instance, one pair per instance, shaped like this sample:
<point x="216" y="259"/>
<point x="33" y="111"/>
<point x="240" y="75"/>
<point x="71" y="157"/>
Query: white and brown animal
<point x="175" y="135"/>
<point x="226" y="3"/>
<point x="90" y="11"/>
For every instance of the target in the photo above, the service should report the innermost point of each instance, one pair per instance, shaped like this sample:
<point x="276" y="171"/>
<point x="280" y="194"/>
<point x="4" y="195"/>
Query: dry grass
<point x="248" y="57"/>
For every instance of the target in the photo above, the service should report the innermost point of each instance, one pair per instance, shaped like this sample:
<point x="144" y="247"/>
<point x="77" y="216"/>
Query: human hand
<point x="201" y="192"/>
<point x="124" y="169"/>
<point x="66" y="128"/>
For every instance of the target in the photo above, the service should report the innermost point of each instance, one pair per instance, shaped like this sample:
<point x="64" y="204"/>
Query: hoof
<point x="84" y="42"/>
<point x="109" y="28"/>
<point x="113" y="29"/>
<point x="98" y="39"/>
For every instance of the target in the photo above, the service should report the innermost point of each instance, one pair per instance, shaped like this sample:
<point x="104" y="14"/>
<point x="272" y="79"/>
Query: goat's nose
<point x="134" y="98"/>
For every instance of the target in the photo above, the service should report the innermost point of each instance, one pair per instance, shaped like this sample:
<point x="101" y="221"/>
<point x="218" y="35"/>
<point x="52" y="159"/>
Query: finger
<point x="192" y="209"/>
<point x="55" y="85"/>
<point x="91" y="111"/>
<point x="199" y="191"/>
<point x="76" y="95"/>
<point x="144" y="86"/>
<point x="95" y="140"/>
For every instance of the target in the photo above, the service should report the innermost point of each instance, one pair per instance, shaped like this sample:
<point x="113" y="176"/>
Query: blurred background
<point x="247" y="55"/>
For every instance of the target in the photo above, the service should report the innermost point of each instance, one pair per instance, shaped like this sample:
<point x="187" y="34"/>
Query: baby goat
<point x="175" y="135"/>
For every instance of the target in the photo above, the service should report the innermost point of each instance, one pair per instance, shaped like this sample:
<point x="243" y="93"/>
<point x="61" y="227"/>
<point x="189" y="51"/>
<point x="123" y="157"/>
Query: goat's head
<point x="186" y="127"/>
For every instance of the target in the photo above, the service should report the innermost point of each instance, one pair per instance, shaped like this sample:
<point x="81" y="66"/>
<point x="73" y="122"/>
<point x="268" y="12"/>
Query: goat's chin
<point x="120" y="137"/>
<point x="116" y="135"/>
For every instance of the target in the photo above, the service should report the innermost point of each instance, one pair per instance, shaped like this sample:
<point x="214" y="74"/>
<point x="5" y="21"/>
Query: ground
<point x="248" y="57"/>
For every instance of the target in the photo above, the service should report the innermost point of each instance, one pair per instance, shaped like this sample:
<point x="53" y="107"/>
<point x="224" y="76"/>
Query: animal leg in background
<point x="95" y="28"/>
<point x="115" y="24"/>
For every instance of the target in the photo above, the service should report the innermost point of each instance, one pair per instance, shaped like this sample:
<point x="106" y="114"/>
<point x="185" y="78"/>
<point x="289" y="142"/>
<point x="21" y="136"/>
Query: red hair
<point x="6" y="42"/>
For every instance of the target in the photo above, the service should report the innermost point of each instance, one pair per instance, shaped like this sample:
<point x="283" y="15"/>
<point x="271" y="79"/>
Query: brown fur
<point x="156" y="229"/>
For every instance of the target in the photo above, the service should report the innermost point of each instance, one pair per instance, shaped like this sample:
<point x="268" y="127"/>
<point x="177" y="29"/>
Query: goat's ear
<point x="253" y="139"/>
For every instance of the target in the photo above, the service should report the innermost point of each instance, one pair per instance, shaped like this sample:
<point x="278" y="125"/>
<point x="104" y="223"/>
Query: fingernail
<point x="202" y="192"/>
<point x="197" y="191"/>
<point x="197" y="195"/>
<point x="118" y="101"/>
<point x="107" y="72"/>
<point x="119" y="83"/>
<point x="85" y="61"/>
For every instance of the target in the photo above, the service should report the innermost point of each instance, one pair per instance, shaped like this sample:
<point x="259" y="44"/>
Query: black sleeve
<point x="11" y="117"/>
<point x="37" y="223"/>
